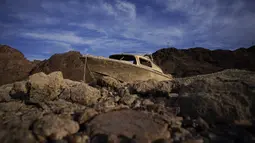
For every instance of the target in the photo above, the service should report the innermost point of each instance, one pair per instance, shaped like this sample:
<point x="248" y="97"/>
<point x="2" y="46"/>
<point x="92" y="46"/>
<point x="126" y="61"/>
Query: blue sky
<point x="41" y="28"/>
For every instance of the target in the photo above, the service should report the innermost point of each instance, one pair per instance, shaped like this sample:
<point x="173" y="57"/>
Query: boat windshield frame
<point x="123" y="57"/>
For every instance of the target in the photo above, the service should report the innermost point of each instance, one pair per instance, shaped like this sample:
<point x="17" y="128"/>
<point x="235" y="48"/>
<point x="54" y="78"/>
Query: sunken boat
<point x="123" y="67"/>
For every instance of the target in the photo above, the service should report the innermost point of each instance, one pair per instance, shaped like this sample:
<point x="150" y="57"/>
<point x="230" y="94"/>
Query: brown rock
<point x="129" y="99"/>
<point x="107" y="81"/>
<point x="84" y="94"/>
<point x="19" y="90"/>
<point x="224" y="95"/>
<point x="16" y="135"/>
<point x="87" y="115"/>
<point x="128" y="123"/>
<point x="147" y="102"/>
<point x="153" y="87"/>
<point x="4" y="92"/>
<point x="45" y="87"/>
<point x="54" y="127"/>
<point x="78" y="138"/>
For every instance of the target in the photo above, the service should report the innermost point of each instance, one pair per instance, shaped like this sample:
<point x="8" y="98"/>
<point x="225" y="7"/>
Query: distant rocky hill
<point x="195" y="61"/>
<point x="69" y="63"/>
<point x="13" y="65"/>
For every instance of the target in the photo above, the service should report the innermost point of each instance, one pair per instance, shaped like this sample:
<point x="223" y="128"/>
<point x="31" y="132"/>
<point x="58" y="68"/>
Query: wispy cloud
<point x="68" y="37"/>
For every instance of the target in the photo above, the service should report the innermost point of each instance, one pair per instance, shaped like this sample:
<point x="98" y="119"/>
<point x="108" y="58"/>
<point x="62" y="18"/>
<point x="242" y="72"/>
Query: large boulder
<point x="153" y="87"/>
<point x="84" y="94"/>
<point x="224" y="95"/>
<point x="54" y="127"/>
<point x="14" y="66"/>
<point x="45" y="87"/>
<point x="80" y="92"/>
<point x="126" y="125"/>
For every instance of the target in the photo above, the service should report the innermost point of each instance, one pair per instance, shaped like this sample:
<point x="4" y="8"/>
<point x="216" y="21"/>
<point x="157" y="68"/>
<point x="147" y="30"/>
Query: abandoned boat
<point x="123" y="67"/>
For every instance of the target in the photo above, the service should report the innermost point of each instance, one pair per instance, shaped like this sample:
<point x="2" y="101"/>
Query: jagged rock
<point x="19" y="90"/>
<point x="137" y="104"/>
<point x="84" y="94"/>
<point x="128" y="123"/>
<point x="129" y="99"/>
<point x="107" y="81"/>
<point x="44" y="87"/>
<point x="225" y="95"/>
<point x="53" y="127"/>
<point x="110" y="103"/>
<point x="11" y="106"/>
<point x="4" y="92"/>
<point x="62" y="107"/>
<point x="16" y="135"/>
<point x="147" y="102"/>
<point x="153" y="87"/>
<point x="123" y="91"/>
<point x="87" y="115"/>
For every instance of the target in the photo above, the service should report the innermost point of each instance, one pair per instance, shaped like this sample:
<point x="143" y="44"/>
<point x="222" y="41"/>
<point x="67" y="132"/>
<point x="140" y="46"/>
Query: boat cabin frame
<point x="139" y="60"/>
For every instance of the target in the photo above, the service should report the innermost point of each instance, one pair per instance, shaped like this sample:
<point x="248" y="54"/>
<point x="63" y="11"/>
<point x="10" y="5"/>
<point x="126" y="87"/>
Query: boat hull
<point x="97" y="67"/>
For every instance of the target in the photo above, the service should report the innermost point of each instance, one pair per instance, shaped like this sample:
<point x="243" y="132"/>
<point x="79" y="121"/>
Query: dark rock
<point x="226" y="95"/>
<point x="128" y="123"/>
<point x="153" y="87"/>
<point x="55" y="128"/>
<point x="44" y="87"/>
<point x="87" y="115"/>
<point x="16" y="135"/>
<point x="110" y="82"/>
<point x="84" y="94"/>
<point x="129" y="99"/>
<point x="19" y="90"/>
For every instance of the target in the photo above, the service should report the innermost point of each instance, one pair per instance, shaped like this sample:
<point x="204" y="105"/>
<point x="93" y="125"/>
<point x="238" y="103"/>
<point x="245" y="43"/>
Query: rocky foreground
<point x="218" y="107"/>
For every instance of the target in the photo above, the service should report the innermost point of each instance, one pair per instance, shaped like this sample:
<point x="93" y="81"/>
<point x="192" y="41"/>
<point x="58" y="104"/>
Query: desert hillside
<point x="195" y="61"/>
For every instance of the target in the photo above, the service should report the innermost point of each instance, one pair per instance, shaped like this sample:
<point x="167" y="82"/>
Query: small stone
<point x="129" y="99"/>
<point x="116" y="98"/>
<point x="173" y="94"/>
<point x="194" y="141"/>
<point x="78" y="138"/>
<point x="109" y="103"/>
<point x="137" y="104"/>
<point x="147" y="102"/>
<point x="88" y="114"/>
